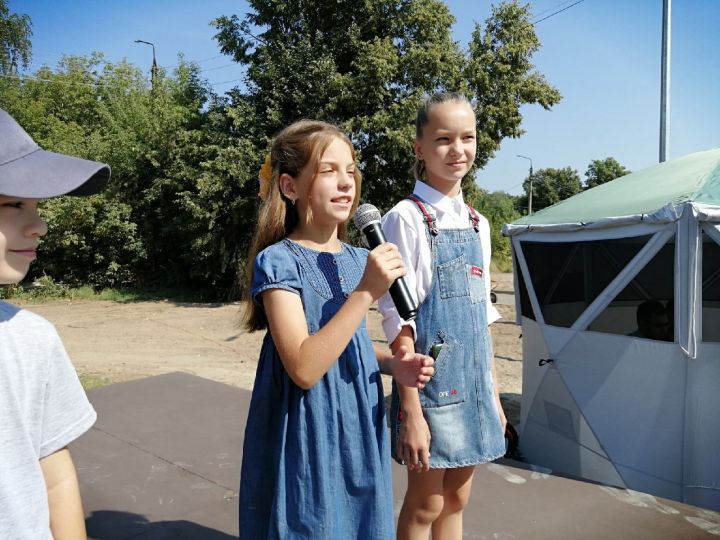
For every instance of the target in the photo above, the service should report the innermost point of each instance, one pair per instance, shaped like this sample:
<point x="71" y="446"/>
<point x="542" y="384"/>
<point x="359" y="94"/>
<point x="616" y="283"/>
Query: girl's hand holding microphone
<point x="384" y="266"/>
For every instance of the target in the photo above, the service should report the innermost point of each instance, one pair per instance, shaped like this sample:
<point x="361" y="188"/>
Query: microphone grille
<point x="365" y="213"/>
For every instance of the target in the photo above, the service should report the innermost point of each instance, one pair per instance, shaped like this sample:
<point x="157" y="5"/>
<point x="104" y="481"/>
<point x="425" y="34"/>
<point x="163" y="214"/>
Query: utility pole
<point x="154" y="68"/>
<point x="531" y="181"/>
<point x="665" y="81"/>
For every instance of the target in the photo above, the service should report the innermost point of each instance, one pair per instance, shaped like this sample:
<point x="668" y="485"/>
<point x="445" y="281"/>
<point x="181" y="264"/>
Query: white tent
<point x="598" y="402"/>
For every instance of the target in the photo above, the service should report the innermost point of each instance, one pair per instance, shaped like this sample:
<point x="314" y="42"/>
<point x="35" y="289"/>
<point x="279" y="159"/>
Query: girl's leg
<point x="457" y="484"/>
<point x="422" y="505"/>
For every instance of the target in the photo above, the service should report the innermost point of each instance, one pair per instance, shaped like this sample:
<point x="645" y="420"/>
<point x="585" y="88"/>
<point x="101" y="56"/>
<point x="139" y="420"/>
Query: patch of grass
<point x="501" y="264"/>
<point x="93" y="381"/>
<point x="45" y="289"/>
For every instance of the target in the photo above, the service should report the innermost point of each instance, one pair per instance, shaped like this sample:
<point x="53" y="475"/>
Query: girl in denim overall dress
<point x="442" y="431"/>
<point x="316" y="458"/>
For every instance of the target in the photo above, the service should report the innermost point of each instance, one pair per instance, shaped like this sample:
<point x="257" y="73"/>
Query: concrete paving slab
<point x="163" y="462"/>
<point x="163" y="459"/>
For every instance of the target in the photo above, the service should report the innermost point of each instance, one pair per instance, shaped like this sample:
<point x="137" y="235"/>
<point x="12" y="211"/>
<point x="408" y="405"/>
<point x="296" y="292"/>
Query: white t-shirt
<point x="405" y="227"/>
<point x="43" y="408"/>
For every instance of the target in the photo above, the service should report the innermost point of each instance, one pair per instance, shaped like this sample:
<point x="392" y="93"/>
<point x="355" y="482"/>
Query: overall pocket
<point x="453" y="278"/>
<point x="476" y="281"/>
<point x="447" y="386"/>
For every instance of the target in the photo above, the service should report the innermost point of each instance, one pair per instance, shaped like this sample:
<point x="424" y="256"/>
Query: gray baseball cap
<point x="28" y="171"/>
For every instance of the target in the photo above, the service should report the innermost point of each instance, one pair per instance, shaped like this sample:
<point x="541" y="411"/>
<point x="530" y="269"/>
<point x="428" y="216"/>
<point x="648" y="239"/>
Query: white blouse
<point x="404" y="226"/>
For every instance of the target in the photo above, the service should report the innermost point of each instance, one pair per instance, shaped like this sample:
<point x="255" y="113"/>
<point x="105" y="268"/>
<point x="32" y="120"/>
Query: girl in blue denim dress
<point x="442" y="431"/>
<point x="316" y="458"/>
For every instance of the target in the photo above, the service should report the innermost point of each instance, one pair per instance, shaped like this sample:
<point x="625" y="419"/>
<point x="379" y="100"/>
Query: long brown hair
<point x="300" y="144"/>
<point x="423" y="118"/>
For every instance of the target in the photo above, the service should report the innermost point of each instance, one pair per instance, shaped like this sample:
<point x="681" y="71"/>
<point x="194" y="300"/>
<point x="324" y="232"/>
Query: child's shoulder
<point x="274" y="249"/>
<point x="28" y="332"/>
<point x="403" y="206"/>
<point x="275" y="257"/>
<point x="405" y="215"/>
<point x="21" y="319"/>
<point x="284" y="251"/>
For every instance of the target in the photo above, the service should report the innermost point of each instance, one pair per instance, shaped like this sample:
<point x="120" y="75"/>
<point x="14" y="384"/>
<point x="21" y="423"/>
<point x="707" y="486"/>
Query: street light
<point x="153" y="69"/>
<point x="531" y="179"/>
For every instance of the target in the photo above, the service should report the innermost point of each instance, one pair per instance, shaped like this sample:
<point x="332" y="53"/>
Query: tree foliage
<point x="550" y="186"/>
<point x="368" y="65"/>
<point x="171" y="212"/>
<point x="603" y="170"/>
<point x="499" y="208"/>
<point x="180" y="209"/>
<point x="15" y="34"/>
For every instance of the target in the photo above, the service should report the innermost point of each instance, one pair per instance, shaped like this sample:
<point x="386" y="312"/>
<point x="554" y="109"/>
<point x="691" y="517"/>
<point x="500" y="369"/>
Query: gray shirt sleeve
<point x="67" y="413"/>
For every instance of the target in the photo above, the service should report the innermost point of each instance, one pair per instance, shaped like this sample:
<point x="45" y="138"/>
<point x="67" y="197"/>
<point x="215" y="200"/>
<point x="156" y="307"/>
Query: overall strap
<point x="428" y="218"/>
<point x="474" y="218"/>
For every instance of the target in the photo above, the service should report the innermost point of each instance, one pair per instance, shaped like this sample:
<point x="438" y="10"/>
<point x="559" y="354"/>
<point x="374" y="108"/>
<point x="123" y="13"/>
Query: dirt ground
<point x="112" y="342"/>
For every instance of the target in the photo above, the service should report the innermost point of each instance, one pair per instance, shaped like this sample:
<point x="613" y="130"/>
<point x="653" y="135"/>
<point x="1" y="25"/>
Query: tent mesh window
<point x="568" y="276"/>
<point x="644" y="308"/>
<point x="710" y="289"/>
<point x="525" y="305"/>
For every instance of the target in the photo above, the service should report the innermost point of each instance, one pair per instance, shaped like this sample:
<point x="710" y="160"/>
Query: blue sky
<point x="603" y="55"/>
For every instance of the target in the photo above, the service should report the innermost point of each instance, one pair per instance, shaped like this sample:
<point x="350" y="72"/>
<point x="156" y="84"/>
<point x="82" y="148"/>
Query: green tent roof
<point x="693" y="178"/>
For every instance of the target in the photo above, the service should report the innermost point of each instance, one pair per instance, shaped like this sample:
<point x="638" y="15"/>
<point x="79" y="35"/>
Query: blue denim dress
<point x="316" y="463"/>
<point x="459" y="401"/>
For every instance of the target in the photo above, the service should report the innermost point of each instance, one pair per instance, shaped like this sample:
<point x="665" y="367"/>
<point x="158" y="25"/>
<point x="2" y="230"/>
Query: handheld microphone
<point x="367" y="220"/>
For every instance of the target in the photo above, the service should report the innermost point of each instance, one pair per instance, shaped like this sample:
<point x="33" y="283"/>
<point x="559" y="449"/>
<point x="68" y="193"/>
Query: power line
<point x="59" y="80"/>
<point x="197" y="61"/>
<point x="218" y="67"/>
<point x="226" y="82"/>
<point x="547" y="10"/>
<point x="44" y="57"/>
<point x="558" y="11"/>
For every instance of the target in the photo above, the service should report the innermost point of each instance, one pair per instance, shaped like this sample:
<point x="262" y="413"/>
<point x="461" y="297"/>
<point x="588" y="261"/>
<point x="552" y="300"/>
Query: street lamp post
<point x="153" y="69"/>
<point x="665" y="81"/>
<point x="531" y="181"/>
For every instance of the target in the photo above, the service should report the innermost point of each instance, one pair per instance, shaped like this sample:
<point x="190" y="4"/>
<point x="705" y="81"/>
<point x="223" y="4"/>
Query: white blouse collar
<point x="452" y="205"/>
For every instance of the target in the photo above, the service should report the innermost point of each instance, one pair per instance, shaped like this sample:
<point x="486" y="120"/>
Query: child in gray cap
<point x="43" y="407"/>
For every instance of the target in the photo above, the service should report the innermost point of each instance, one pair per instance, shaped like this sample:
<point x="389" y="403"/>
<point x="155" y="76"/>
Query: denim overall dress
<point x="316" y="463"/>
<point x="459" y="401"/>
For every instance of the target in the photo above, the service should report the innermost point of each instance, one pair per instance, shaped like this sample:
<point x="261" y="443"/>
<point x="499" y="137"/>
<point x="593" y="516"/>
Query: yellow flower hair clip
<point x="265" y="176"/>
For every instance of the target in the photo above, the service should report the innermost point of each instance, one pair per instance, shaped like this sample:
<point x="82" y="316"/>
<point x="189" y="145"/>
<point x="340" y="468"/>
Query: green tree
<point x="164" y="219"/>
<point x="92" y="240"/>
<point x="15" y="33"/>
<point x="550" y="186"/>
<point x="502" y="78"/>
<point x="179" y="210"/>
<point x="603" y="170"/>
<point x="499" y="208"/>
<point x="367" y="66"/>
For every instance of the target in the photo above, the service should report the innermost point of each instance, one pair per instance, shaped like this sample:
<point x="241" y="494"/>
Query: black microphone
<point x="367" y="220"/>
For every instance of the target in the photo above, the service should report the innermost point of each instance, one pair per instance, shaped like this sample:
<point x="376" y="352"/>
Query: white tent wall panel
<point x="534" y="349"/>
<point x="632" y="393"/>
<point x="557" y="435"/>
<point x="702" y="429"/>
<point x="646" y="483"/>
<point x="554" y="452"/>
